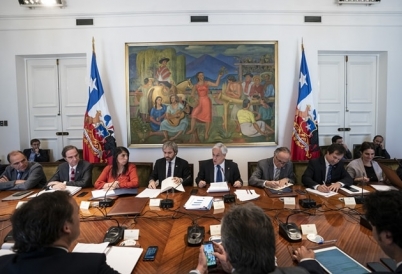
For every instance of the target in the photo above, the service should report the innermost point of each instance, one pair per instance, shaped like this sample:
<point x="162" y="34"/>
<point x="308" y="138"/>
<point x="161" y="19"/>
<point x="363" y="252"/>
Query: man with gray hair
<point x="275" y="171"/>
<point x="170" y="166"/>
<point x="248" y="246"/>
<point x="218" y="169"/>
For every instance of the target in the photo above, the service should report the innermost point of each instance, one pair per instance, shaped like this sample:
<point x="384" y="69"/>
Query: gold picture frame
<point x="201" y="93"/>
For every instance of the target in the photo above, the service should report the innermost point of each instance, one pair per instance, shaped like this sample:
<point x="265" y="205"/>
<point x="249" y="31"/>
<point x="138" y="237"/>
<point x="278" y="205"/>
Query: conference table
<point x="167" y="228"/>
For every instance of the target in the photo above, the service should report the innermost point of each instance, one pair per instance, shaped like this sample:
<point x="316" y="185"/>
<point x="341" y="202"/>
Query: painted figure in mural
<point x="247" y="84"/>
<point x="163" y="74"/>
<point x="248" y="125"/>
<point x="143" y="93"/>
<point x="265" y="112"/>
<point x="176" y="120"/>
<point x="157" y="115"/>
<point x="203" y="111"/>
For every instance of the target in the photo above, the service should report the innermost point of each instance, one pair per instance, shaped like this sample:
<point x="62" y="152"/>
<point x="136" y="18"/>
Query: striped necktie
<point x="72" y="174"/>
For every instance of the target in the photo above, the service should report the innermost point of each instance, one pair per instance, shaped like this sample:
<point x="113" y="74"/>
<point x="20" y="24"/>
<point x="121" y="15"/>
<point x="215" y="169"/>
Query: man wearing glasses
<point x="275" y="171"/>
<point x="21" y="174"/>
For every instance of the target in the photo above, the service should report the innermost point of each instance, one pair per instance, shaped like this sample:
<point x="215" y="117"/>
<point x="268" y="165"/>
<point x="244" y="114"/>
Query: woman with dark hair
<point x="364" y="169"/>
<point x="157" y="114"/>
<point x="121" y="174"/>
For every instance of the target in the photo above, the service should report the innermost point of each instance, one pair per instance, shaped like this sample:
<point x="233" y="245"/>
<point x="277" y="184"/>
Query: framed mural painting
<point x="201" y="93"/>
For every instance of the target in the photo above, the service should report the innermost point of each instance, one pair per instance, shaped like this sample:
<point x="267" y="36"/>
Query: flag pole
<point x="93" y="44"/>
<point x="302" y="46"/>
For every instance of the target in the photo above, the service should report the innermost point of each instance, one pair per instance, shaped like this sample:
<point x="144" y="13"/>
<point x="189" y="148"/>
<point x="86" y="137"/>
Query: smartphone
<point x="194" y="191"/>
<point x="209" y="253"/>
<point x="377" y="267"/>
<point x="20" y="193"/>
<point x="390" y="263"/>
<point x="351" y="189"/>
<point x="150" y="253"/>
<point x="82" y="194"/>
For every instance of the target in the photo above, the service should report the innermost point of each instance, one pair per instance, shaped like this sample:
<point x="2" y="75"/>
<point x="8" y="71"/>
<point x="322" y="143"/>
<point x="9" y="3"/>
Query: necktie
<point x="276" y="175"/>
<point x="329" y="174"/>
<point x="219" y="174"/>
<point x="169" y="173"/>
<point x="72" y="175"/>
<point x="19" y="175"/>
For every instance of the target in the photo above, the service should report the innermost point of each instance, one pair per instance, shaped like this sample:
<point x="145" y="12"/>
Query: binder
<point x="199" y="203"/>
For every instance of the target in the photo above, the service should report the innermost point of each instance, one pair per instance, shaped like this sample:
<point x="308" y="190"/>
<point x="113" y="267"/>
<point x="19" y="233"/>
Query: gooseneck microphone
<point x="168" y="203"/>
<point x="360" y="200"/>
<point x="106" y="202"/>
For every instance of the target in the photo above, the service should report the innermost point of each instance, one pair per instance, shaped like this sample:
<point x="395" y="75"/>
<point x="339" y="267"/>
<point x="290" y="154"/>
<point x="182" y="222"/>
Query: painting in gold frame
<point x="201" y="93"/>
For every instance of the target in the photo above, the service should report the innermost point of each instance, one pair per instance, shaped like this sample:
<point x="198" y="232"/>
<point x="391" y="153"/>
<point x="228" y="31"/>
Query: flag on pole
<point x="98" y="140"/>
<point x="305" y="127"/>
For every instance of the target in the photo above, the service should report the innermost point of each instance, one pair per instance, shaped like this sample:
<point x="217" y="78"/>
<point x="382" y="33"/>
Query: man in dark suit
<point x="218" y="169"/>
<point x="170" y="166"/>
<point x="383" y="211"/>
<point x="74" y="172"/>
<point x="339" y="140"/>
<point x="248" y="246"/>
<point x="21" y="174"/>
<point x="275" y="171"/>
<point x="44" y="230"/>
<point x="327" y="173"/>
<point x="380" y="150"/>
<point x="35" y="154"/>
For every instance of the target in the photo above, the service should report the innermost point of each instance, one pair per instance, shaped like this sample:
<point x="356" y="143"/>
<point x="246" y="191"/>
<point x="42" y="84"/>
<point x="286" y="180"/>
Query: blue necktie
<point x="19" y="175"/>
<point x="169" y="173"/>
<point x="219" y="174"/>
<point x="329" y="175"/>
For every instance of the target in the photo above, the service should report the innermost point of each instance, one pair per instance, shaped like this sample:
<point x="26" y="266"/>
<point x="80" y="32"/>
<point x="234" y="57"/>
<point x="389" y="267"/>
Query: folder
<point x="199" y="203"/>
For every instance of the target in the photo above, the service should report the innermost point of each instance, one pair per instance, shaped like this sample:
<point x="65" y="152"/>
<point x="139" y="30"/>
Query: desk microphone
<point x="106" y="202"/>
<point x="360" y="200"/>
<point x="168" y="203"/>
<point x="308" y="203"/>
<point x="290" y="231"/>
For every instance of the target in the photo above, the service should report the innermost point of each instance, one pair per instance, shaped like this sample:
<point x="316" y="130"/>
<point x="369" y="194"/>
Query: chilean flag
<point x="98" y="140"/>
<point x="305" y="127"/>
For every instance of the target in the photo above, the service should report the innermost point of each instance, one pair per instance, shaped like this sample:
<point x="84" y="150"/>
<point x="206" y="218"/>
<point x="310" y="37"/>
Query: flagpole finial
<point x="302" y="46"/>
<point x="93" y="44"/>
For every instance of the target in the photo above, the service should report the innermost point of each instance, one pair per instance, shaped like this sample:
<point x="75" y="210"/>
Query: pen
<point x="327" y="242"/>
<point x="247" y="191"/>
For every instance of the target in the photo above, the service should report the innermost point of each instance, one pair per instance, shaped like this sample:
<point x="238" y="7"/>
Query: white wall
<point x="346" y="28"/>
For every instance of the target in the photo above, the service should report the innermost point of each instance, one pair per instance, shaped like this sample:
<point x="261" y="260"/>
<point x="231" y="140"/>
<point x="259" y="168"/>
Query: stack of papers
<point x="325" y="194"/>
<point x="246" y="195"/>
<point x="199" y="203"/>
<point x="96" y="194"/>
<point x="169" y="183"/>
<point x="71" y="189"/>
<point x="149" y="193"/>
<point x="383" y="187"/>
<point x="218" y="187"/>
<point x="280" y="187"/>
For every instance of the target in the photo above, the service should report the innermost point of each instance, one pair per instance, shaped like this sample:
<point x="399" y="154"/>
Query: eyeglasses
<point x="280" y="161"/>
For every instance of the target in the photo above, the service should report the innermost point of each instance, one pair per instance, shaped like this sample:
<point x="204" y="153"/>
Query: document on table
<point x="72" y="189"/>
<point x="280" y="187"/>
<point x="169" y="183"/>
<point x="199" y="202"/>
<point x="149" y="193"/>
<point x="325" y="194"/>
<point x="383" y="187"/>
<point x="218" y="187"/>
<point x="246" y="194"/>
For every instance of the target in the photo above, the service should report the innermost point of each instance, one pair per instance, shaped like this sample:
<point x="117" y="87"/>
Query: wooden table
<point x="168" y="228"/>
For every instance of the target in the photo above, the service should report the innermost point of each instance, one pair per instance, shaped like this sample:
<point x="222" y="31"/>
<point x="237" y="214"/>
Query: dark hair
<point x="249" y="239"/>
<point x="14" y="152"/>
<point x="336" y="138"/>
<point x="378" y="136"/>
<point x="367" y="145"/>
<point x="35" y="141"/>
<point x="246" y="102"/>
<point x="157" y="99"/>
<point x="115" y="165"/>
<point x="176" y="98"/>
<point x="198" y="73"/>
<point x="146" y="80"/>
<point x="384" y="211"/>
<point x="337" y="148"/>
<point x="231" y="78"/>
<point x="67" y="148"/>
<point x="40" y="222"/>
<point x="172" y="145"/>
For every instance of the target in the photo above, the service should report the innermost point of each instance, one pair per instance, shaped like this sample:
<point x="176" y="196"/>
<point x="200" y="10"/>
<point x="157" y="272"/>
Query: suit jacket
<point x="54" y="260"/>
<point x="206" y="172"/>
<point x="356" y="169"/>
<point x="43" y="156"/>
<point x="83" y="174"/>
<point x="33" y="176"/>
<point x="181" y="170"/>
<point x="382" y="152"/>
<point x="315" y="173"/>
<point x="265" y="172"/>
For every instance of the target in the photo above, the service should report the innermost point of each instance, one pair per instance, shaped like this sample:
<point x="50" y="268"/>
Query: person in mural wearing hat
<point x="163" y="74"/>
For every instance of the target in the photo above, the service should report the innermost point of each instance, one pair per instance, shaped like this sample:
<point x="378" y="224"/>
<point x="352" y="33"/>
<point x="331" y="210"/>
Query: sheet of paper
<point x="246" y="194"/>
<point x="90" y="248"/>
<point x="383" y="187"/>
<point x="149" y="193"/>
<point x="325" y="194"/>
<point x="349" y="201"/>
<point x="308" y="229"/>
<point x="281" y="187"/>
<point x="218" y="187"/>
<point x="101" y="193"/>
<point x="131" y="234"/>
<point x="155" y="202"/>
<point x="123" y="259"/>
<point x="215" y="230"/>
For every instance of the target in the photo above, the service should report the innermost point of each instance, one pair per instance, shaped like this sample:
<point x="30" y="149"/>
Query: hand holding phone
<point x="150" y="253"/>
<point x="209" y="253"/>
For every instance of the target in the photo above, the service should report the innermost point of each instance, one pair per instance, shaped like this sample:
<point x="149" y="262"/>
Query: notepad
<point x="325" y="194"/>
<point x="199" y="203"/>
<point x="218" y="187"/>
<point x="72" y="189"/>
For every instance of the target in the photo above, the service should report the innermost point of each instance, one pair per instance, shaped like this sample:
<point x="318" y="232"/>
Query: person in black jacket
<point x="35" y="154"/>
<point x="339" y="140"/>
<point x="44" y="230"/>
<point x="380" y="150"/>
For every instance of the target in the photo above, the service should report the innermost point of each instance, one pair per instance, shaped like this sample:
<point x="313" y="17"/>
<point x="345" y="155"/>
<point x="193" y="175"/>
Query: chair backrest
<point x="356" y="151"/>
<point x="323" y="150"/>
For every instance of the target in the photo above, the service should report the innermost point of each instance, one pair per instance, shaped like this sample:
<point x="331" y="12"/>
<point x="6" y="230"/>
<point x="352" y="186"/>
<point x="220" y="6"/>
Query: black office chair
<point x="323" y="150"/>
<point x="356" y="151"/>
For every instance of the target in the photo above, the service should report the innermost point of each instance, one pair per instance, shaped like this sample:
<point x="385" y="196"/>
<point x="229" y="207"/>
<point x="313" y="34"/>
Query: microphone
<point x="360" y="200"/>
<point x="106" y="202"/>
<point x="308" y="203"/>
<point x="168" y="203"/>
<point x="290" y="231"/>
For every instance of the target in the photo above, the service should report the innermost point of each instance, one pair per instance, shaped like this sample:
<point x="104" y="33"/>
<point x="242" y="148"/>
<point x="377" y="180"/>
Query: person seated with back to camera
<point x="248" y="246"/>
<point x="218" y="169"/>
<point x="275" y="171"/>
<point x="364" y="169"/>
<point x="327" y="173"/>
<point x="121" y="174"/>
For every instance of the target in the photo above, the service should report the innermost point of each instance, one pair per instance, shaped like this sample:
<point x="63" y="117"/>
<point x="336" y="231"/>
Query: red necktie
<point x="72" y="175"/>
